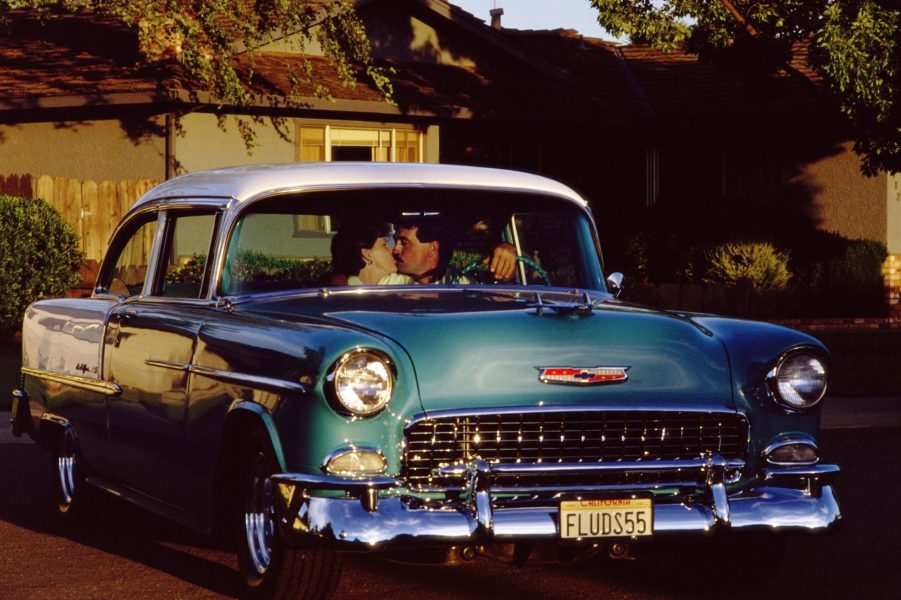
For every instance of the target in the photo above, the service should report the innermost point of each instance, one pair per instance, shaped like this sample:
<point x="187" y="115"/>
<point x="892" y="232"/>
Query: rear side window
<point x="126" y="276"/>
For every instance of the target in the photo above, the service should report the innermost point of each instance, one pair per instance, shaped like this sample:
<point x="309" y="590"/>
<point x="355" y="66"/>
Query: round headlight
<point x="362" y="382"/>
<point x="799" y="380"/>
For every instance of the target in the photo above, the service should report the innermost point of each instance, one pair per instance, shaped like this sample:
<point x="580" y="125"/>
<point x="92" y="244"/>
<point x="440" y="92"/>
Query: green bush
<point x="757" y="264"/>
<point x="849" y="283"/>
<point x="262" y="271"/>
<point x="190" y="272"/>
<point x="39" y="257"/>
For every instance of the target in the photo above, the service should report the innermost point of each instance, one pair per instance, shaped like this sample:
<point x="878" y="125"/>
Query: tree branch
<point x="741" y="20"/>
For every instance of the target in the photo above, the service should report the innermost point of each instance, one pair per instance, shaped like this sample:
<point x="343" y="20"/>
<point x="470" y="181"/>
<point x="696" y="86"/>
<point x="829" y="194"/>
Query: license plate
<point x="609" y="517"/>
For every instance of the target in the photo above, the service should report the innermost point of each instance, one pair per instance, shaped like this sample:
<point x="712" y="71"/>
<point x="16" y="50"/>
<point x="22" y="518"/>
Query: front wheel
<point x="269" y="568"/>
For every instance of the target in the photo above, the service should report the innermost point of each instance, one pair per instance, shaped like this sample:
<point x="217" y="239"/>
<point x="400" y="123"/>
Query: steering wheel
<point x="478" y="266"/>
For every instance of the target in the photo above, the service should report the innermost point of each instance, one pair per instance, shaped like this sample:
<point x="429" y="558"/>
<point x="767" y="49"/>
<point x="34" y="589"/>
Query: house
<point x="632" y="129"/>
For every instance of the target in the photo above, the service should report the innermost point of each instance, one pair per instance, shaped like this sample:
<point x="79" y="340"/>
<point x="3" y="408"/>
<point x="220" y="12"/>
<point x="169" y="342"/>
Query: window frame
<point x="168" y="219"/>
<point x="121" y="238"/>
<point x="392" y="129"/>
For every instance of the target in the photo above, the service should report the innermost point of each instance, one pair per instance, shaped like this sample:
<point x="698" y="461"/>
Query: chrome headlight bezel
<point x="369" y="363"/>
<point x="804" y="394"/>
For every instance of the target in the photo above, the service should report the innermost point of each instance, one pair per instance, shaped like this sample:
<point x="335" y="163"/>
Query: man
<point x="422" y="250"/>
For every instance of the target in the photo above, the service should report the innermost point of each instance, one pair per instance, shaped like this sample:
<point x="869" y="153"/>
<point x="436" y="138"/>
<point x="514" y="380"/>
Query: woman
<point x="361" y="254"/>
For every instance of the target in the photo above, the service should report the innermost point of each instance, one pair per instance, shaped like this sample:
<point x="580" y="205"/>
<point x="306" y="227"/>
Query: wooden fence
<point x="93" y="208"/>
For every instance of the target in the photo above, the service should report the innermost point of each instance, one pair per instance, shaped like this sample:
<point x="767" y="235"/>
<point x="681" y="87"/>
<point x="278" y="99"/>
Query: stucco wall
<point x="893" y="192"/>
<point x="204" y="145"/>
<point x="846" y="202"/>
<point x="94" y="150"/>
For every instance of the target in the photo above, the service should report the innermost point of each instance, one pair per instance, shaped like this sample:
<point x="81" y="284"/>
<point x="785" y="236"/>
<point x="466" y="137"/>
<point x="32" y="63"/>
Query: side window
<point x="184" y="258"/>
<point x="265" y="255"/>
<point x="126" y="276"/>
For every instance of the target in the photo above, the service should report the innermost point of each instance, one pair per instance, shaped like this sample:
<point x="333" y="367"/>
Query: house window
<point x="388" y="144"/>
<point x="312" y="144"/>
<point x="312" y="226"/>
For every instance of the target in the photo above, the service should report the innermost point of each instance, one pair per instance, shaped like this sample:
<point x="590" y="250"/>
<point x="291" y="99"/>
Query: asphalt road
<point x="120" y="552"/>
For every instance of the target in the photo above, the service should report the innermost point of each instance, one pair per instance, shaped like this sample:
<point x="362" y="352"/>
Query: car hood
<point x="475" y="349"/>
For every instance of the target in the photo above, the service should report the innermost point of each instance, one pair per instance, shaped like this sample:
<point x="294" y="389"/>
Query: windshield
<point x="409" y="237"/>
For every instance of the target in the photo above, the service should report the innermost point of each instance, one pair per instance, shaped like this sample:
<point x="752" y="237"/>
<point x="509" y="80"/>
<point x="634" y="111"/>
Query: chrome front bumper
<point x="794" y="499"/>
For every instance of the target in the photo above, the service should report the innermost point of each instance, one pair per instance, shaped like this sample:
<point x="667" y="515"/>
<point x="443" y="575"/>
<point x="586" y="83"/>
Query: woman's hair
<point x="350" y="240"/>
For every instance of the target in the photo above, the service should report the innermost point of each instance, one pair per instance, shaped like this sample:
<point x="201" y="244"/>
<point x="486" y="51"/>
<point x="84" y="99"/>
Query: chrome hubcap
<point x="259" y="519"/>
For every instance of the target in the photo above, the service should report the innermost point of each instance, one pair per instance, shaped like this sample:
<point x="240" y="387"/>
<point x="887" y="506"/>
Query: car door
<point x="147" y="349"/>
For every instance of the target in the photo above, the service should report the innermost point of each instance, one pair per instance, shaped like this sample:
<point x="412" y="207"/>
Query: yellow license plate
<point x="616" y="517"/>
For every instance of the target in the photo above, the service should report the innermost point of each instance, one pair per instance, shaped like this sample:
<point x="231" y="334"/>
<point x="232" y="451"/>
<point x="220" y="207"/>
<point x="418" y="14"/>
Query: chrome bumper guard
<point x="797" y="499"/>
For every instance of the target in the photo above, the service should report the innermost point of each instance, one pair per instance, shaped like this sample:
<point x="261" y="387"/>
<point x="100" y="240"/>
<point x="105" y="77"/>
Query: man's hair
<point x="434" y="229"/>
<point x="350" y="240"/>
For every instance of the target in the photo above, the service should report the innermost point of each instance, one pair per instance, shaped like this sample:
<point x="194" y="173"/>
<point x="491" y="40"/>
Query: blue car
<point x="316" y="359"/>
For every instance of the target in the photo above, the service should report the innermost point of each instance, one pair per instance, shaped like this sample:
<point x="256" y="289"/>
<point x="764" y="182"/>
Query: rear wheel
<point x="269" y="568"/>
<point x="66" y="472"/>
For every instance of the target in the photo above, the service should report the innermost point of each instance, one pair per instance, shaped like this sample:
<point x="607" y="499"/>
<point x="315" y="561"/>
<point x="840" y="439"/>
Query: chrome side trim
<point x="56" y="420"/>
<point x="99" y="386"/>
<point x="167" y="364"/>
<point x="270" y="383"/>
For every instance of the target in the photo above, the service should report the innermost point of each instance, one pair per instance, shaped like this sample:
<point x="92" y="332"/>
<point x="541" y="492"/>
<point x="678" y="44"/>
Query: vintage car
<point x="224" y="373"/>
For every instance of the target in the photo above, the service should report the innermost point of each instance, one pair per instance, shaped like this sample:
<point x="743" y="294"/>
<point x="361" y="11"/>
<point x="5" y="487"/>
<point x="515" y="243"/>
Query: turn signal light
<point x="793" y="453"/>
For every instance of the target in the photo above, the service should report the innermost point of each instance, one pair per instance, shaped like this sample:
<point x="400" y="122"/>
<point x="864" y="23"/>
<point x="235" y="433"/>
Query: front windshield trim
<point x="577" y="221"/>
<point x="523" y="293"/>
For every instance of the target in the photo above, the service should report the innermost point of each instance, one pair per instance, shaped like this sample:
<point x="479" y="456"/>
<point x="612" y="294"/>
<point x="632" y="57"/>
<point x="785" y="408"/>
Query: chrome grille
<point x="555" y="437"/>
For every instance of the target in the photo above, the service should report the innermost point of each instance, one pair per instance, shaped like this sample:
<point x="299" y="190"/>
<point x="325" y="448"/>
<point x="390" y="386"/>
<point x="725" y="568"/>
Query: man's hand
<point x="502" y="262"/>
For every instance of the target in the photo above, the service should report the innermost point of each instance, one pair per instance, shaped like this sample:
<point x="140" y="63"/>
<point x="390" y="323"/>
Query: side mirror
<point x="615" y="283"/>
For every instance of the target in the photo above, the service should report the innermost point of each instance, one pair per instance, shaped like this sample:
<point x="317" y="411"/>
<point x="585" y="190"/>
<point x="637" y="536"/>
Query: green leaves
<point x="759" y="264"/>
<point x="857" y="50"/>
<point x="39" y="257"/>
<point x="216" y="42"/>
<point x="860" y="56"/>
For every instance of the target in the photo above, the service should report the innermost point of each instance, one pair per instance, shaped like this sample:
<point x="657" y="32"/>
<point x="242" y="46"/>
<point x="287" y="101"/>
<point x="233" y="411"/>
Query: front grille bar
<point x="525" y="447"/>
<point x="554" y="469"/>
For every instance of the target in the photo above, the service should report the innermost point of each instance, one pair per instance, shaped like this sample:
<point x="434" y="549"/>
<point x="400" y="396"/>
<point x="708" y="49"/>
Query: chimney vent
<point x="496" y="17"/>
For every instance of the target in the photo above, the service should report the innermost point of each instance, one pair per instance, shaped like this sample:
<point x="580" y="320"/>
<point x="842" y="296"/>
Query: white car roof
<point x="244" y="184"/>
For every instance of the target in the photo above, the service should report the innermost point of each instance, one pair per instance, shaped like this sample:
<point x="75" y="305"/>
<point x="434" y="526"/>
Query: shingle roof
<point x="681" y="85"/>
<point x="580" y="80"/>
<point x="71" y="55"/>
<point x="592" y="66"/>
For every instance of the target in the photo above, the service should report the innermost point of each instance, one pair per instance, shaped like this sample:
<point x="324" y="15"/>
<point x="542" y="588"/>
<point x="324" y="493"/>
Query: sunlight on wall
<point x="426" y="41"/>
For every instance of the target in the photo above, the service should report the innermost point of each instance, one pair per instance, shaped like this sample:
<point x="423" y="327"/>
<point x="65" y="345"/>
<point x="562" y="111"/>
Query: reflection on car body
<point x="220" y="377"/>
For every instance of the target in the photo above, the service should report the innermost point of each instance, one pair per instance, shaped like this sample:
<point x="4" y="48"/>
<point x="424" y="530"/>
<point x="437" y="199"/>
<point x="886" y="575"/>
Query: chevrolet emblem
<point x="582" y="375"/>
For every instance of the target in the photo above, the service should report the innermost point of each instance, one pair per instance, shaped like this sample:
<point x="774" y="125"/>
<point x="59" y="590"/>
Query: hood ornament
<point x="582" y="375"/>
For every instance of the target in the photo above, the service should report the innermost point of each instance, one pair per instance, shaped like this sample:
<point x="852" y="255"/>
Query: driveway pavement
<point x="861" y="412"/>
<point x="838" y="413"/>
